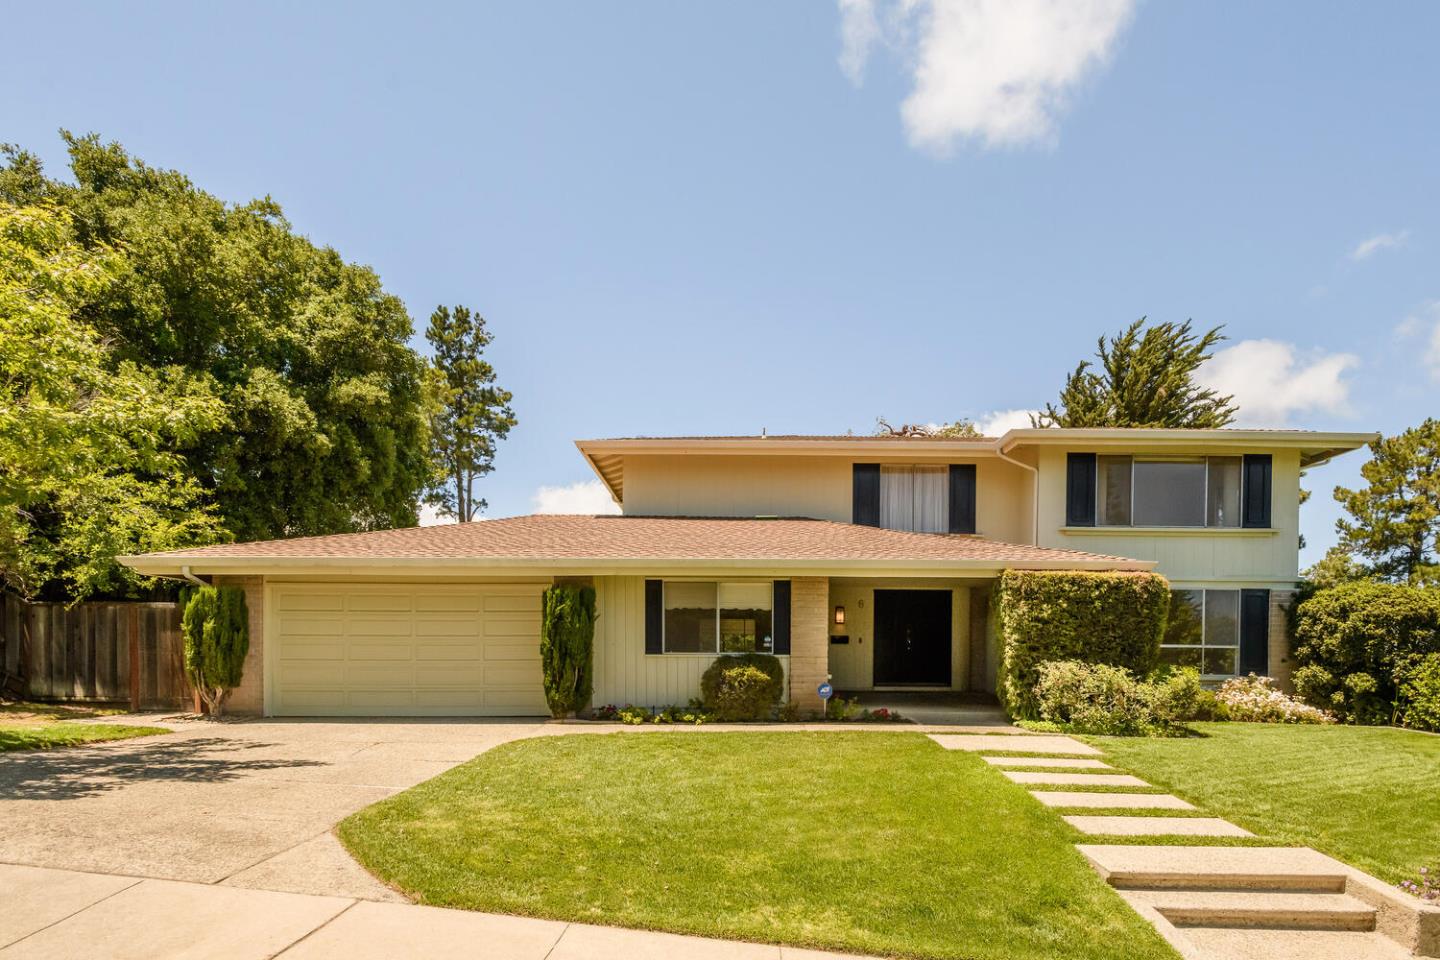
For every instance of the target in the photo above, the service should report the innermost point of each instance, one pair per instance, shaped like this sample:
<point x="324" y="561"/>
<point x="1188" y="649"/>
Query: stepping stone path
<point x="1213" y="902"/>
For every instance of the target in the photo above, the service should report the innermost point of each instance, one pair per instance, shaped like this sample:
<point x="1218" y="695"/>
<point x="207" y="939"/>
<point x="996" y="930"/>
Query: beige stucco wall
<point x="852" y="664"/>
<point x="714" y="485"/>
<point x="1205" y="557"/>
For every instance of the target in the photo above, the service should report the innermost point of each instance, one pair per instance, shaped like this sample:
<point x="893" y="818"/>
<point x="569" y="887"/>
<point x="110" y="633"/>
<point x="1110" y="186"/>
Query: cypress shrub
<point x="567" y="647"/>
<point x="1356" y="644"/>
<point x="746" y="686"/>
<point x="215" y="627"/>
<point x="1045" y="615"/>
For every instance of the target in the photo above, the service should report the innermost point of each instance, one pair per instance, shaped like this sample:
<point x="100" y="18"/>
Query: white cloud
<point x="1271" y="381"/>
<point x="999" y="71"/>
<point x="995" y="424"/>
<point x="430" y="516"/>
<point x="585" y="496"/>
<point x="1381" y="241"/>
<point x="1425" y="322"/>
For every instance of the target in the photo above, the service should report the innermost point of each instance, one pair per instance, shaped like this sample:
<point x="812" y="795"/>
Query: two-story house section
<point x="868" y="560"/>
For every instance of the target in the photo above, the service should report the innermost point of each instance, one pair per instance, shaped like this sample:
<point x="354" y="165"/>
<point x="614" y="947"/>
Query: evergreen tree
<point x="470" y="413"/>
<point x="1144" y="380"/>
<point x="1395" y="519"/>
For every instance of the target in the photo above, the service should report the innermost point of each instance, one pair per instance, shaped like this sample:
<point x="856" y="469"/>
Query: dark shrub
<point x="215" y="627"/>
<point x="1109" y="618"/>
<point x="567" y="646"/>
<point x="743" y="687"/>
<point x="1356" y="642"/>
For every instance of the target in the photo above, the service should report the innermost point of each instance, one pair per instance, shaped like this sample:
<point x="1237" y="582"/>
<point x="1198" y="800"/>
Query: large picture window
<point x="1203" y="632"/>
<point x="1168" y="492"/>
<point x="915" y="498"/>
<point x="705" y="616"/>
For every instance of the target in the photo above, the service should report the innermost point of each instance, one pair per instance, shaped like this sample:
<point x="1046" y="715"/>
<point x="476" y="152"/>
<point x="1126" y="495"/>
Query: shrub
<point x="743" y="687"/>
<point x="567" y="647"/>
<point x="1256" y="700"/>
<point x="1419" y="691"/>
<point x="1354" y="644"/>
<point x="1100" y="699"/>
<point x="1106" y="618"/>
<point x="215" y="627"/>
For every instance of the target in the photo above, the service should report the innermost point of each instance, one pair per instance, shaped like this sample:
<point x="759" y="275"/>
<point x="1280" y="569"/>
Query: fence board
<point x="105" y="650"/>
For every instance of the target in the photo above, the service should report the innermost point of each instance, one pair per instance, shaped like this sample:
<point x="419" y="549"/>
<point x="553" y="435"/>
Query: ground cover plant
<point x="880" y="843"/>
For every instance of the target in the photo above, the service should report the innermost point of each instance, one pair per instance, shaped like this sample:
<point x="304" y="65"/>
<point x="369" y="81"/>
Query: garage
<point x="401" y="649"/>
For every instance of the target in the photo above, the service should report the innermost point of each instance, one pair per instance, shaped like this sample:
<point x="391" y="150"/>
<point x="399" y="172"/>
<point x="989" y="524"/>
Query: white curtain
<point x="915" y="498"/>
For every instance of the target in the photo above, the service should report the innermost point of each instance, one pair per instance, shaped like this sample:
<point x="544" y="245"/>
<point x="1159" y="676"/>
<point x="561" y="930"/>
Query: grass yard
<point x="25" y="725"/>
<point x="1367" y="795"/>
<point x="869" y="842"/>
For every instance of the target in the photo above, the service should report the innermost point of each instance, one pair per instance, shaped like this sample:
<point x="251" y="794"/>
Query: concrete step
<point x="1292" y="869"/>
<point x="1110" y="801"/>
<point x="1055" y="763"/>
<point x="1257" y="909"/>
<point x="1118" y="826"/>
<point x="1075" y="779"/>
<point x="1218" y="943"/>
<point x="1024" y="743"/>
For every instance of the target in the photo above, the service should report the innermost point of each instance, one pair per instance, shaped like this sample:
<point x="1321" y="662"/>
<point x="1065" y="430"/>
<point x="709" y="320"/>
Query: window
<point x="710" y="617"/>
<point x="1203" y="631"/>
<point x="915" y="498"/>
<point x="1168" y="492"/>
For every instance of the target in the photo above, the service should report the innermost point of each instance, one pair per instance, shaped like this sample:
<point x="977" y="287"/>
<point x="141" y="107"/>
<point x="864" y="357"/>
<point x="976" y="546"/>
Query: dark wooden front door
<point x="912" y="637"/>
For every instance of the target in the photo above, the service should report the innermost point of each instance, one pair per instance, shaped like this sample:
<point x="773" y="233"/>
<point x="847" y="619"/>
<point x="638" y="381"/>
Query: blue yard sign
<point x="825" y="690"/>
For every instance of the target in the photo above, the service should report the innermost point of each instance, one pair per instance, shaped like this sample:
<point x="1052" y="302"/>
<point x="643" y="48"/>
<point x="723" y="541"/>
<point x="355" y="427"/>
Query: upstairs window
<point x="1168" y="491"/>
<point x="915" y="498"/>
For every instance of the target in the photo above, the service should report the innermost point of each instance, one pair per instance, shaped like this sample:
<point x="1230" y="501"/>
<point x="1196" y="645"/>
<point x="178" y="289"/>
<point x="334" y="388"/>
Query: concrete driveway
<point x="245" y="804"/>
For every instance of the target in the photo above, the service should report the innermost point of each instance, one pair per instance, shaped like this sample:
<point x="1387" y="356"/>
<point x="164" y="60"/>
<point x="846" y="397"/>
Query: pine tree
<point x="470" y="414"/>
<point x="1395" y="519"/>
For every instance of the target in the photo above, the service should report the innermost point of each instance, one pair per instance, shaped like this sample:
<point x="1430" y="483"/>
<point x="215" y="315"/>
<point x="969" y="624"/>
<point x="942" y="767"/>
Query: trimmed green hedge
<point x="1357" y="644"/>
<point x="743" y="687"/>
<point x="1044" y="615"/>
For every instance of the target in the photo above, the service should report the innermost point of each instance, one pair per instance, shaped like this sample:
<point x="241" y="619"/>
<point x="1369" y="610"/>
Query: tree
<point x="567" y="647"/>
<point x="1145" y="380"/>
<point x="1336" y="567"/>
<point x="216" y="629"/>
<point x="323" y="426"/>
<point x="89" y="466"/>
<point x="470" y="414"/>
<point x="957" y="429"/>
<point x="1395" y="519"/>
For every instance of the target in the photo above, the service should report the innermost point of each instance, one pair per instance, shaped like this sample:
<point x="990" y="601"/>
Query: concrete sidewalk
<point x="54" y="914"/>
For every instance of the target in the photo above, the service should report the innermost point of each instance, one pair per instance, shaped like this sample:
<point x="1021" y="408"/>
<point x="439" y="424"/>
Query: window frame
<point x="717" y="651"/>
<point x="1102" y="521"/>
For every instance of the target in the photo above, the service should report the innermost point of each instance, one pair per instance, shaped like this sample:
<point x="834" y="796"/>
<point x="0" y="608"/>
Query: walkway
<point x="62" y="914"/>
<point x="1246" y="902"/>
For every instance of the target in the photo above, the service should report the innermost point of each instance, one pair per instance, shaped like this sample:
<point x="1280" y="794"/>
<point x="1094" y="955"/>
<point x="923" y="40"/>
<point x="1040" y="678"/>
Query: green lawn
<point x="870" y="842"/>
<point x="29" y="736"/>
<point x="1367" y="795"/>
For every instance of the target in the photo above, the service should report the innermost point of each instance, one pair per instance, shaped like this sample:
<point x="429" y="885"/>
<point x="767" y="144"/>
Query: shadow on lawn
<point x="71" y="774"/>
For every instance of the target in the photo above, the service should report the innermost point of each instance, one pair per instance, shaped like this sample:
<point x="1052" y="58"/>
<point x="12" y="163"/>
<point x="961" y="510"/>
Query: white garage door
<point x="389" y="649"/>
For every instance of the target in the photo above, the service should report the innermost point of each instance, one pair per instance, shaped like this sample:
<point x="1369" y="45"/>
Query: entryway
<point x="912" y="638"/>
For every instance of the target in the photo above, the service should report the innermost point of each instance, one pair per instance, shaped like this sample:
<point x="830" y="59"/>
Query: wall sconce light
<point x="840" y="614"/>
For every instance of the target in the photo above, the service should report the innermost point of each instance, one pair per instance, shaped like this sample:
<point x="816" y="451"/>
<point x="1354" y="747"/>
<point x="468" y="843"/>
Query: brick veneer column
<point x="809" y="639"/>
<point x="248" y="699"/>
<point x="1281" y="659"/>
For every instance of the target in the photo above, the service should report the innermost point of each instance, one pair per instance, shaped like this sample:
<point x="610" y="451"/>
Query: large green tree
<point x="1394" y="520"/>
<point x="325" y="427"/>
<point x="470" y="413"/>
<point x="1145" y="378"/>
<point x="89" y="466"/>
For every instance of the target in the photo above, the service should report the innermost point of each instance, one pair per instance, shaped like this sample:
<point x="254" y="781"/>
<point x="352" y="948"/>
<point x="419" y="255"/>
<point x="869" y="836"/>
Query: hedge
<point x="1044" y="615"/>
<point x="1357" y="645"/>
<point x="743" y="687"/>
<point x="567" y="647"/>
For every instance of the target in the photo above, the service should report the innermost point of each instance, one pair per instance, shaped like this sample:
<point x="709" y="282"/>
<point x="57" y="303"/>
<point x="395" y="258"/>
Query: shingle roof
<point x="570" y="538"/>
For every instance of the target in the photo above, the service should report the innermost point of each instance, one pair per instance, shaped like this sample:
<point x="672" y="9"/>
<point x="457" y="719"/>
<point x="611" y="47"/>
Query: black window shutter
<point x="1254" y="632"/>
<point x="654" y="616"/>
<point x="962" y="498"/>
<point x="865" y="503"/>
<point x="780" y="628"/>
<point x="1080" y="489"/>
<point x="1255" y="491"/>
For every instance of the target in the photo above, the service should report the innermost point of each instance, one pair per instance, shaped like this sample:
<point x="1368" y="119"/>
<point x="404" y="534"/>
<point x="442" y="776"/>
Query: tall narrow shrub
<point x="216" y="630"/>
<point x="567" y="647"/>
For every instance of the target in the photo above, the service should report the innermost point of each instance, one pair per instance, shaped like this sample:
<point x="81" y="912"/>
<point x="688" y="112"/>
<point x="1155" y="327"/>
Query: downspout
<point x="185" y="572"/>
<point x="1034" y="491"/>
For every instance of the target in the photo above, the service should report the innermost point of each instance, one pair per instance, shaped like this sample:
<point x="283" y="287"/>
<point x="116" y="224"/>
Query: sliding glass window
<point x="1168" y="491"/>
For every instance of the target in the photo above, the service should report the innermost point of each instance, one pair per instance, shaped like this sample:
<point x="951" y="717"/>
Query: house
<point x="872" y="560"/>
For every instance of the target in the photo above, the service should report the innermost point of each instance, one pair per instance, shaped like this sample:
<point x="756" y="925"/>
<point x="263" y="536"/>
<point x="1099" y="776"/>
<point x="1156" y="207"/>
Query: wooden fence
<point x="101" y="651"/>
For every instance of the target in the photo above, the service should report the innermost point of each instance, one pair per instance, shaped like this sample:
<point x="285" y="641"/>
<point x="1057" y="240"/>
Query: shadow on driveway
<point x="71" y="774"/>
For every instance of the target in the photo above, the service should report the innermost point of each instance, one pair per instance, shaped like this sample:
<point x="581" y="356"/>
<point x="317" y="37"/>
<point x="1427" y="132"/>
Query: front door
<point x="912" y="637"/>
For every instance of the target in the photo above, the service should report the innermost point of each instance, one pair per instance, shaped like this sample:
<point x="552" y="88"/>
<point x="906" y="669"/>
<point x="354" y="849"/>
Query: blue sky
<point x="717" y="218"/>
